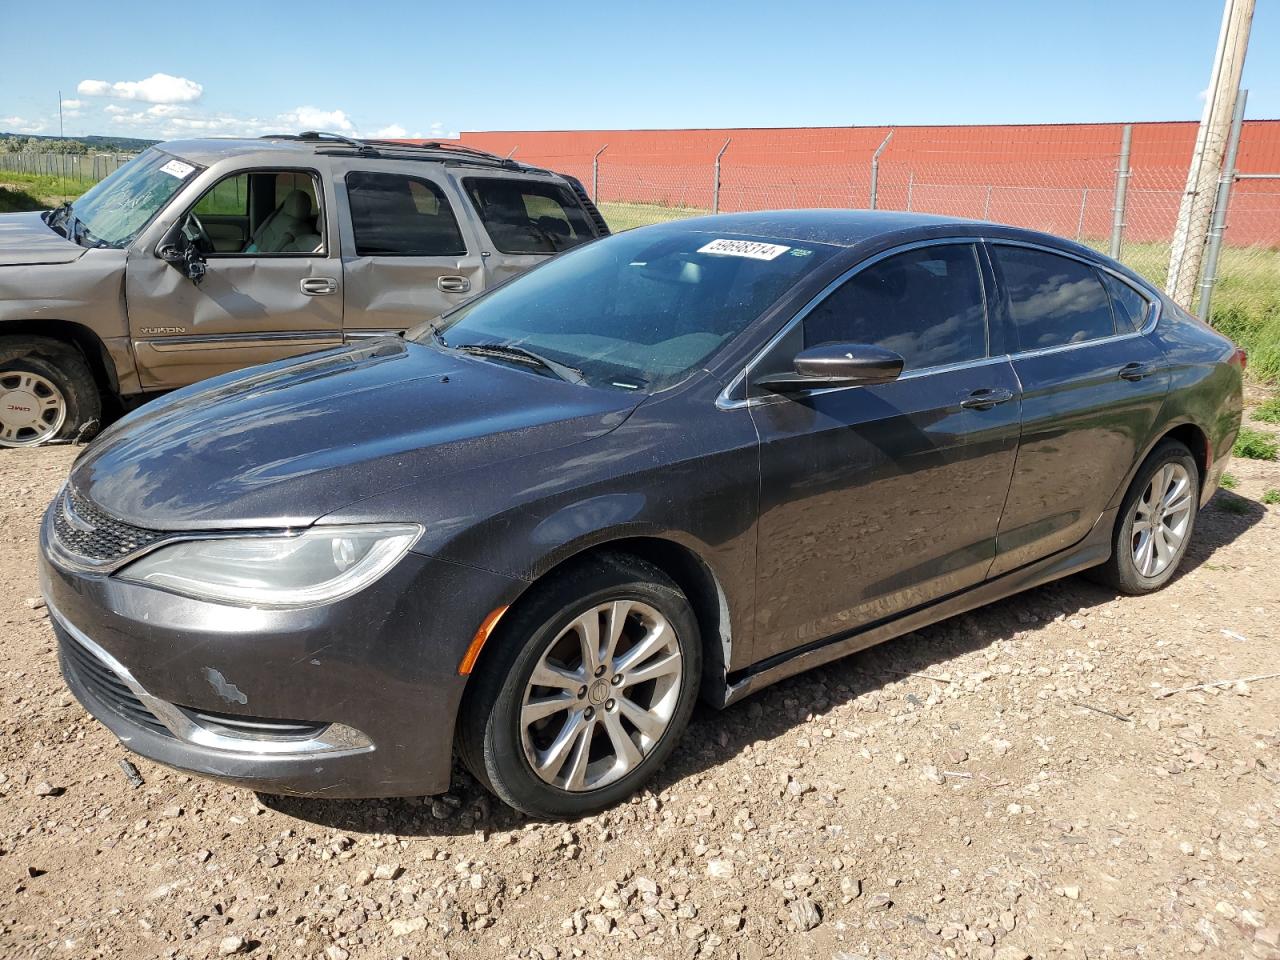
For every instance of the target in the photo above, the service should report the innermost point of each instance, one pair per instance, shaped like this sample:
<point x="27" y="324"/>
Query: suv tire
<point x="47" y="393"/>
<point x="613" y="733"/>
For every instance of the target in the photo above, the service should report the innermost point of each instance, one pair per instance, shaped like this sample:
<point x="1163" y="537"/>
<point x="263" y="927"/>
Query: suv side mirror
<point x="836" y="365"/>
<point x="177" y="250"/>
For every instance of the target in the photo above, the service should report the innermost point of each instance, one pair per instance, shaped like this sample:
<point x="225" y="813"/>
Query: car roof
<point x="209" y="150"/>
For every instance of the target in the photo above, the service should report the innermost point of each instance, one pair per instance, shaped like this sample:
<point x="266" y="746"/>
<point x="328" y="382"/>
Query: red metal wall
<point x="1058" y="177"/>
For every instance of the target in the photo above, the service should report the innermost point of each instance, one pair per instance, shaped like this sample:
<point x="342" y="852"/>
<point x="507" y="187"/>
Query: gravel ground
<point x="1029" y="780"/>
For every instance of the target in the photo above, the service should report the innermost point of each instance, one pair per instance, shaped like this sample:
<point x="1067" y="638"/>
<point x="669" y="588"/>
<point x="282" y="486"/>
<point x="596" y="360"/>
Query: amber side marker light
<point x="487" y="626"/>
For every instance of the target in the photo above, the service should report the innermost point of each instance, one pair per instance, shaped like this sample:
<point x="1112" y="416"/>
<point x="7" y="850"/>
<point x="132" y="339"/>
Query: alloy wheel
<point x="601" y="696"/>
<point x="1161" y="520"/>
<point x="32" y="409"/>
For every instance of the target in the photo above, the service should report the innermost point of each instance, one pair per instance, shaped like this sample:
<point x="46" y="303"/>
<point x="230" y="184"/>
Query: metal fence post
<point x="986" y="205"/>
<point x="1084" y="202"/>
<point x="1218" y="226"/>
<point x="911" y="183"/>
<point x="875" y="168"/>
<point x="595" y="174"/>
<point x="715" y="191"/>
<point x="1122" y="189"/>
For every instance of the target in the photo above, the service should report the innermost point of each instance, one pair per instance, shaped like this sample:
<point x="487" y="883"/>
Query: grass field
<point x="1246" y="301"/>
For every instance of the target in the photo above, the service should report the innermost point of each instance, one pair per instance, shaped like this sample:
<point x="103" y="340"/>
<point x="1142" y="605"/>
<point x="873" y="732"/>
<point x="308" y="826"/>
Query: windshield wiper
<point x="63" y="210"/>
<point x="507" y="351"/>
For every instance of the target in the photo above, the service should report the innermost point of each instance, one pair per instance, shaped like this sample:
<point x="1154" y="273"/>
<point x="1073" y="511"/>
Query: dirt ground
<point x="1011" y="783"/>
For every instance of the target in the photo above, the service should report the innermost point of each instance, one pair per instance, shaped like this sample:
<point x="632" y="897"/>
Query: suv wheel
<point x="594" y="684"/>
<point x="47" y="392"/>
<point x="1156" y="521"/>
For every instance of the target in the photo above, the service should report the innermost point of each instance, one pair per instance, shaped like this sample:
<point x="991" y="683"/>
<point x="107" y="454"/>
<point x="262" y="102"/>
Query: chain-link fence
<point x="85" y="169"/>
<point x="1062" y="179"/>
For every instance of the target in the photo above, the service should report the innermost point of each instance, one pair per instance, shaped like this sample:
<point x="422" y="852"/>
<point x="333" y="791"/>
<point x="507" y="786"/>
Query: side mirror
<point x="836" y="365"/>
<point x="177" y="250"/>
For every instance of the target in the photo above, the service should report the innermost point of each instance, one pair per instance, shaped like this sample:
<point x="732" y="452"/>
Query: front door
<point x="408" y="259"/>
<point x="272" y="287"/>
<point x="877" y="499"/>
<point x="1092" y="386"/>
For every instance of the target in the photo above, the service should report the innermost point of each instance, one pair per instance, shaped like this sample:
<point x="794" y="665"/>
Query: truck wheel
<point x="47" y="393"/>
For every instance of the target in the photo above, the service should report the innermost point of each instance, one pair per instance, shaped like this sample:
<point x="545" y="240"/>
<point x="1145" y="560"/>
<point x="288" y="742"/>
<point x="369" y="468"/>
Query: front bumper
<point x="356" y="698"/>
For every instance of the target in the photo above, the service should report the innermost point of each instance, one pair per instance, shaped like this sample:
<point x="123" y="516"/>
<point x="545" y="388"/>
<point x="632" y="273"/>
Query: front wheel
<point x="47" y="393"/>
<point x="1156" y="520"/>
<point x="590" y="691"/>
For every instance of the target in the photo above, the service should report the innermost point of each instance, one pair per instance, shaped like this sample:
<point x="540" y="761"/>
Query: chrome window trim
<point x="336" y="738"/>
<point x="245" y="339"/>
<point x="725" y="401"/>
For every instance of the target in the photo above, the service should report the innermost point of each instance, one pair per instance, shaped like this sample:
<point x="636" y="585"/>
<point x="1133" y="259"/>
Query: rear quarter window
<point x="1053" y="301"/>
<point x="1131" y="307"/>
<point x="527" y="216"/>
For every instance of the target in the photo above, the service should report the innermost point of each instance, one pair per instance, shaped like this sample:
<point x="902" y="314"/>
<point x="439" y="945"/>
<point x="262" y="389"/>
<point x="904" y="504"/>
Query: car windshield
<point x="636" y="311"/>
<point x="114" y="211"/>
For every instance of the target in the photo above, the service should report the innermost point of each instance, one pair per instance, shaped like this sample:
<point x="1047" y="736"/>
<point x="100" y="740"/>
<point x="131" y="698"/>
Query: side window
<point x="528" y="216"/>
<point x="1053" y="301"/>
<point x="259" y="213"/>
<point x="393" y="215"/>
<point x="1129" y="305"/>
<point x="925" y="304"/>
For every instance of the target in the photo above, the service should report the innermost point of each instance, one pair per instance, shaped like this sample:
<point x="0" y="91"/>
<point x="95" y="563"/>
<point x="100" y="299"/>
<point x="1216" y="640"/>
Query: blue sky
<point x="424" y="69"/>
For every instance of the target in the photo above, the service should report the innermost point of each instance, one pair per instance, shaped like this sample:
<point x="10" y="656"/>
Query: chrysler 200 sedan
<point x="687" y="460"/>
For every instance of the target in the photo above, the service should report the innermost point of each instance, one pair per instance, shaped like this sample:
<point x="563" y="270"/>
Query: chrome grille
<point x="85" y="532"/>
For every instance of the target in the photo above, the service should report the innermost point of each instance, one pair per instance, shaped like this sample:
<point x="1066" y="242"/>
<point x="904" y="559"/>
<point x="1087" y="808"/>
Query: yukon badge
<point x="153" y="331"/>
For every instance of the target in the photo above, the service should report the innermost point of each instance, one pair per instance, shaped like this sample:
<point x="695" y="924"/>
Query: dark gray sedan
<point x="687" y="460"/>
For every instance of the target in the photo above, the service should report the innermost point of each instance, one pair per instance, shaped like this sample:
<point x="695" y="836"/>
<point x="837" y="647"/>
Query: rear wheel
<point x="47" y="393"/>
<point x="1156" y="521"/>
<point x="592" y="688"/>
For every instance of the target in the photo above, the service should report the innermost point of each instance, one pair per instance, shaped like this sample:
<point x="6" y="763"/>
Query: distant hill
<point x="121" y="144"/>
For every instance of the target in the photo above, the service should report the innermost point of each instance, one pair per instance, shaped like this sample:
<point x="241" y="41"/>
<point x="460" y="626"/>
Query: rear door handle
<point x="318" y="286"/>
<point x="453" y="284"/>
<point x="1136" y="371"/>
<point x="986" y="398"/>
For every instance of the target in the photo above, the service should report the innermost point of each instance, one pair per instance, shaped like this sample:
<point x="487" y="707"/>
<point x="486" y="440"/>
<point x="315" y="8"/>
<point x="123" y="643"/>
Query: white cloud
<point x="157" y="88"/>
<point x="310" y="118"/>
<point x="22" y="125"/>
<point x="72" y="104"/>
<point x="391" y="132"/>
<point x="114" y="108"/>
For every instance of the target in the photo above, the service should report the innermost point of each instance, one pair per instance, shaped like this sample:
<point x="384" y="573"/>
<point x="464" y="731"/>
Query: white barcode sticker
<point x="176" y="168"/>
<point x="752" y="249"/>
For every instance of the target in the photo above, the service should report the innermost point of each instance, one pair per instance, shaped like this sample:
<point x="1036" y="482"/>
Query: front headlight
<point x="298" y="570"/>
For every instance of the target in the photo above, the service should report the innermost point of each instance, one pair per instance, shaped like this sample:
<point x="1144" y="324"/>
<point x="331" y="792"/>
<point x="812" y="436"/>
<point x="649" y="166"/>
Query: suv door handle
<point x="1136" y="371"/>
<point x="453" y="284"/>
<point x="986" y="398"/>
<point x="318" y="286"/>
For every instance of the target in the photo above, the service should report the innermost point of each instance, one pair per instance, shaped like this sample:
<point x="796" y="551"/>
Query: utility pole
<point x="1206" y="160"/>
<point x="59" y="113"/>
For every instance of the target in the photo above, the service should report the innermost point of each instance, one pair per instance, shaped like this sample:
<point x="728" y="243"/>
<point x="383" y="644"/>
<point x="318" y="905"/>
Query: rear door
<point x="526" y="220"/>
<point x="407" y="254"/>
<point x="257" y="302"/>
<point x="1092" y="386"/>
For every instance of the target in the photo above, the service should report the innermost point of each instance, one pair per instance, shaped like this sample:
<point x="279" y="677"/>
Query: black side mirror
<point x="836" y="365"/>
<point x="177" y="250"/>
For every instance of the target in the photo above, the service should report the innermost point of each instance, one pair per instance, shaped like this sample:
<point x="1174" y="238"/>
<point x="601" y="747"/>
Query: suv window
<point x="527" y="216"/>
<point x="393" y="215"/>
<point x="1129" y="305"/>
<point x="1053" y="301"/>
<point x="926" y="304"/>
<point x="259" y="212"/>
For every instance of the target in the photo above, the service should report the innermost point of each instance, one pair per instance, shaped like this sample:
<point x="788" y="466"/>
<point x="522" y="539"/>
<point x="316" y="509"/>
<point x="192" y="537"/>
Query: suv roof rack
<point x="430" y="150"/>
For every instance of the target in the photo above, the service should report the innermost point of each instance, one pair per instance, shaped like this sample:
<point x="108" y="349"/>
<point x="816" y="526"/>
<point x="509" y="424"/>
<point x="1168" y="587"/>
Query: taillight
<point x="1240" y="359"/>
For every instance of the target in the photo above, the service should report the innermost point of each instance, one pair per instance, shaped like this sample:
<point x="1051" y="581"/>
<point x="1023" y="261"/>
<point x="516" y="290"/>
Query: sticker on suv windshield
<point x="176" y="168"/>
<point x="752" y="249"/>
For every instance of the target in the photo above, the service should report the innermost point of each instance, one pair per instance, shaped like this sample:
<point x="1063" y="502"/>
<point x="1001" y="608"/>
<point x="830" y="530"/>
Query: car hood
<point x="287" y="443"/>
<point x="25" y="240"/>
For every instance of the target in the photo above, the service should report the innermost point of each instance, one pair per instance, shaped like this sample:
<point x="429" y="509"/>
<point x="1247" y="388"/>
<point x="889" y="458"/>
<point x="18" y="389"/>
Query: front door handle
<point x="986" y="398"/>
<point x="453" y="284"/>
<point x="1136" y="371"/>
<point x="318" y="286"/>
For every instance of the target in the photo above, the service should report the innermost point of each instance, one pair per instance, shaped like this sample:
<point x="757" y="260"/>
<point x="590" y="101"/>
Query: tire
<point x="544" y="632"/>
<point x="1123" y="571"/>
<point x="47" y="393"/>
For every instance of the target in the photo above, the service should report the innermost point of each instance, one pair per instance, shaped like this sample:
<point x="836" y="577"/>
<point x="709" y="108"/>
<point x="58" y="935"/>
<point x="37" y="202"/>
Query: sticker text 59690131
<point x="752" y="249"/>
